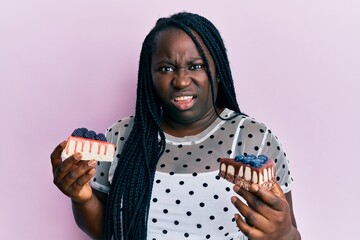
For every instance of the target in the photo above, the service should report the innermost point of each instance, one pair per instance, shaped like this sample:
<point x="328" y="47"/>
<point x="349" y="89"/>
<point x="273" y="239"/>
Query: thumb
<point x="276" y="189"/>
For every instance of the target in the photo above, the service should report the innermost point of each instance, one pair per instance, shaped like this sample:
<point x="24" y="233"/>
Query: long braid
<point x="130" y="194"/>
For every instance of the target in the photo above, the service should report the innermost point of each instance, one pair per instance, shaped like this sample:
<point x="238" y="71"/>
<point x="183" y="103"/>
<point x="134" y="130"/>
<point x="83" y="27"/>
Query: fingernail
<point x="92" y="163"/>
<point x="233" y="199"/>
<point x="236" y="216"/>
<point x="77" y="156"/>
<point x="255" y="187"/>
<point x="92" y="171"/>
<point x="236" y="188"/>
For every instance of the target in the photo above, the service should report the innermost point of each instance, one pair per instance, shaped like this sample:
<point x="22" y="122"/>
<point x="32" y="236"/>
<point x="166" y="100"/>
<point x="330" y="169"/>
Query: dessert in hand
<point x="245" y="170"/>
<point x="92" y="146"/>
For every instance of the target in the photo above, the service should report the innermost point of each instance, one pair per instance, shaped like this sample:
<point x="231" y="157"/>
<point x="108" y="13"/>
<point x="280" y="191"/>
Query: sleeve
<point x="100" y="180"/>
<point x="255" y="138"/>
<point x="117" y="134"/>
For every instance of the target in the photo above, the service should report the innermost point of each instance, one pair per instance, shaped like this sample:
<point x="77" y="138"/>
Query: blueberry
<point x="101" y="137"/>
<point x="79" y="132"/>
<point x="239" y="158"/>
<point x="263" y="158"/>
<point x="251" y="156"/>
<point x="90" y="134"/>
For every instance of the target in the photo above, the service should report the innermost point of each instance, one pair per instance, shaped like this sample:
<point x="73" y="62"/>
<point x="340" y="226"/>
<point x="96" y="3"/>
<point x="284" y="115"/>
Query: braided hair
<point x="128" y="202"/>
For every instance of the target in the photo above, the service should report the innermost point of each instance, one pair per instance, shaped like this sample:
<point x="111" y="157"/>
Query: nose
<point x="182" y="78"/>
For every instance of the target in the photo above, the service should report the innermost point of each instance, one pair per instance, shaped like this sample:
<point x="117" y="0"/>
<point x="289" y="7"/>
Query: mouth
<point x="184" y="102"/>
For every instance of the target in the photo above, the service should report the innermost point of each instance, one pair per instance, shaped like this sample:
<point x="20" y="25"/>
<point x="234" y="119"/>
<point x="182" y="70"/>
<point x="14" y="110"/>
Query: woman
<point x="163" y="182"/>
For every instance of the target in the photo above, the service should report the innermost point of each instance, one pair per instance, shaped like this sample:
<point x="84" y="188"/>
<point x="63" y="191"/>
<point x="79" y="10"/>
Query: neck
<point x="180" y="129"/>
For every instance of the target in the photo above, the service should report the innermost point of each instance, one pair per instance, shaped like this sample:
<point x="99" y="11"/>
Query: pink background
<point x="67" y="64"/>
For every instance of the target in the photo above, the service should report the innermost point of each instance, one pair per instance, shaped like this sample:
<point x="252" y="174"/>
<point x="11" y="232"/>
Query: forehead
<point x="174" y="39"/>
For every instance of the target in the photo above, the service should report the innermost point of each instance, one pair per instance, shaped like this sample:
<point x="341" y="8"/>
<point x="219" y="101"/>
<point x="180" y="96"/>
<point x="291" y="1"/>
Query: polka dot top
<point x="189" y="200"/>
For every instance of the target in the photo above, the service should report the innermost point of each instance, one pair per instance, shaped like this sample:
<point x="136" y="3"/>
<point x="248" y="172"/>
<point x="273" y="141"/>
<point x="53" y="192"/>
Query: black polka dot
<point x="102" y="174"/>
<point x="256" y="148"/>
<point x="229" y="151"/>
<point x="227" y="189"/>
<point x="188" y="213"/>
<point x="253" y="121"/>
<point x="277" y="178"/>
<point x="189" y="153"/>
<point x="186" y="235"/>
<point x="239" y="143"/>
<point x="221" y="228"/>
<point x="226" y="234"/>
<point x="233" y="121"/>
<point x="205" y="184"/>
<point x="167" y="150"/>
<point x="171" y="173"/>
<point x="165" y="211"/>
<point x="211" y="217"/>
<point x="118" y="155"/>
<point x="231" y="135"/>
<point x="198" y="159"/>
<point x="212" y="136"/>
<point x="181" y="182"/>
<point x="201" y="146"/>
<point x="208" y="236"/>
<point x="191" y="192"/>
<point x="176" y="222"/>
<point x="116" y="133"/>
<point x="185" y="166"/>
<point x="225" y="209"/>
<point x="261" y="130"/>
<point x="216" y="196"/>
<point x="180" y="146"/>
<point x="110" y="129"/>
<point x="278" y="148"/>
<point x="222" y="128"/>
<point x="220" y="142"/>
<point x="207" y="167"/>
<point x="275" y="160"/>
<point x="126" y="125"/>
<point x="217" y="177"/>
<point x="286" y="184"/>
<point x="164" y="231"/>
<point x="158" y="181"/>
<point x="162" y="165"/>
<point x="283" y="166"/>
<point x="177" y="201"/>
<point x="242" y="126"/>
<point x="154" y="200"/>
<point x="250" y="135"/>
<point x="94" y="179"/>
<point x="176" y="158"/>
<point x="210" y="152"/>
<point x="154" y="220"/>
<point x="201" y="204"/>
<point x="198" y="225"/>
<point x="268" y="143"/>
<point x="194" y="174"/>
<point x="167" y="190"/>
<point x="122" y="138"/>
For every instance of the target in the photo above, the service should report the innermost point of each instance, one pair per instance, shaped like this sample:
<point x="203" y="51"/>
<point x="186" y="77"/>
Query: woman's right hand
<point x="72" y="176"/>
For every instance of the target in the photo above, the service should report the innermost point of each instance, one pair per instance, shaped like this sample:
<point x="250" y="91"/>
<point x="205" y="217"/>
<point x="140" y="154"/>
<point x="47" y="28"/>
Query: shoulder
<point x="120" y="128"/>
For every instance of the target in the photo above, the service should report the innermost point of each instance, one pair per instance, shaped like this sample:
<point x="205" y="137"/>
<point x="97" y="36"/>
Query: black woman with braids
<point x="163" y="182"/>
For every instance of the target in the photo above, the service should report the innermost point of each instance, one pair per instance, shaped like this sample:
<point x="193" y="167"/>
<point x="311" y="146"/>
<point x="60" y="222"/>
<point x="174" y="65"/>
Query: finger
<point x="55" y="156"/>
<point x="77" y="172"/>
<point x="250" y="231"/>
<point x="66" y="166"/>
<point x="277" y="190"/>
<point x="274" y="200"/>
<point x="82" y="180"/>
<point x="252" y="217"/>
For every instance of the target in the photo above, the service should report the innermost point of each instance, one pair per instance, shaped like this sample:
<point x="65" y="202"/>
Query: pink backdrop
<point x="66" y="64"/>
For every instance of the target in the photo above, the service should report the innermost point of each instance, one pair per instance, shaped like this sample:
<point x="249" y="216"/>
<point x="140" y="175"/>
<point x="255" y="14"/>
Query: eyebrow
<point x="167" y="61"/>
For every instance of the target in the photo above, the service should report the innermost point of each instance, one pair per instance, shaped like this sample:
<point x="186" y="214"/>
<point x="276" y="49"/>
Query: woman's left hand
<point x="267" y="215"/>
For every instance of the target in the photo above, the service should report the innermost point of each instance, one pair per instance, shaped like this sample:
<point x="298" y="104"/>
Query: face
<point x="180" y="79"/>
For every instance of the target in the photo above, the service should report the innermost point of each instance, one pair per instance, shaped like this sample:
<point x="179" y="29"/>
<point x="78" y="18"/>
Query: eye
<point x="166" y="69"/>
<point x="196" y="67"/>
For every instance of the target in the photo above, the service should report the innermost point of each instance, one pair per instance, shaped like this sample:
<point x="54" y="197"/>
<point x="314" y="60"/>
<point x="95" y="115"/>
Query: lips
<point x="184" y="102"/>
